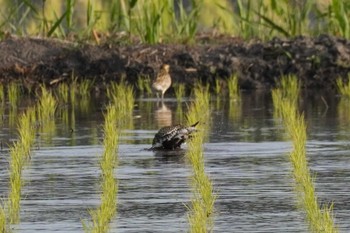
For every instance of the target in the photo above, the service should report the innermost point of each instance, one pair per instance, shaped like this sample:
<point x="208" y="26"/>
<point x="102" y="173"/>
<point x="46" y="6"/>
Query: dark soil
<point x="316" y="61"/>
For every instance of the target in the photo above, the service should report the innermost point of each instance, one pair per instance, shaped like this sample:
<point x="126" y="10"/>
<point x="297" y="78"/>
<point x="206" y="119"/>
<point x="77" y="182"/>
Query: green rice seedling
<point x="19" y="153"/>
<point x="47" y="105"/>
<point x="319" y="219"/>
<point x="73" y="90"/>
<point x="122" y="96"/>
<point x="3" y="223"/>
<point x="102" y="216"/>
<point x="63" y="92"/>
<point x="2" y="93"/>
<point x="343" y="87"/>
<point x="147" y="85"/>
<point x="46" y="109"/>
<point x="144" y="84"/>
<point x="179" y="89"/>
<point x="233" y="88"/>
<point x="203" y="197"/>
<point x="344" y="113"/>
<point x="13" y="92"/>
<point x="140" y="84"/>
<point x="290" y="87"/>
<point x="85" y="87"/>
<point x="218" y="87"/>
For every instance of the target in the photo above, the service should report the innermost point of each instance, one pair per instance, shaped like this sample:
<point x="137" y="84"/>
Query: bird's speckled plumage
<point x="171" y="137"/>
<point x="162" y="81"/>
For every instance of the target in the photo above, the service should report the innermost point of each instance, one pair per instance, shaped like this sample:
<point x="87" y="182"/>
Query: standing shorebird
<point x="171" y="137"/>
<point x="163" y="80"/>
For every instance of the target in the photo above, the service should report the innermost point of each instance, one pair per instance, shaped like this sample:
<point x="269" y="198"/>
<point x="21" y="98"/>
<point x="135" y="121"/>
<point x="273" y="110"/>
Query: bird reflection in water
<point x="163" y="115"/>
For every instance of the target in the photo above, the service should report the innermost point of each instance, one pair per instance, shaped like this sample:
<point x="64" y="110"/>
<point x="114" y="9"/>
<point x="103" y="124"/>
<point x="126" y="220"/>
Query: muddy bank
<point x="317" y="61"/>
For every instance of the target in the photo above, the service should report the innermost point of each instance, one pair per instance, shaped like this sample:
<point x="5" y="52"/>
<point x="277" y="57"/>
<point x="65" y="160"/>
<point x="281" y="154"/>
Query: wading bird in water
<point x="162" y="81"/>
<point x="171" y="137"/>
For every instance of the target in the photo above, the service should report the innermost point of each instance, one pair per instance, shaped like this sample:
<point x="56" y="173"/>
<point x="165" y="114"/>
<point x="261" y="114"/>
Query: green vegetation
<point x="46" y="109"/>
<point x="2" y="93"/>
<point x="285" y="102"/>
<point x="158" y="21"/>
<point x="121" y="95"/>
<point x="203" y="198"/>
<point x="47" y="105"/>
<point x="3" y="225"/>
<point x="233" y="88"/>
<point x="13" y="93"/>
<point x="102" y="216"/>
<point x="63" y="92"/>
<point x="85" y="87"/>
<point x="144" y="84"/>
<point x="118" y="116"/>
<point x="344" y="87"/>
<point x="218" y="87"/>
<point x="179" y="89"/>
<point x="19" y="154"/>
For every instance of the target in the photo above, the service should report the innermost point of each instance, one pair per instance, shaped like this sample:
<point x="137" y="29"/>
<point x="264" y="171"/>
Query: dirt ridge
<point x="316" y="61"/>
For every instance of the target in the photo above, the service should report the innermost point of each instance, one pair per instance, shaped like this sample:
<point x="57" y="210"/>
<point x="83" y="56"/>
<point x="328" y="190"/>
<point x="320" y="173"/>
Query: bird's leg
<point x="162" y="95"/>
<point x="157" y="94"/>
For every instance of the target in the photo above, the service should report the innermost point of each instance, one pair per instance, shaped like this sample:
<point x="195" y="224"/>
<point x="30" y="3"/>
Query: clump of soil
<point x="316" y="61"/>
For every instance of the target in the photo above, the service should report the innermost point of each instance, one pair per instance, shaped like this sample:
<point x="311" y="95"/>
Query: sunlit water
<point x="246" y="156"/>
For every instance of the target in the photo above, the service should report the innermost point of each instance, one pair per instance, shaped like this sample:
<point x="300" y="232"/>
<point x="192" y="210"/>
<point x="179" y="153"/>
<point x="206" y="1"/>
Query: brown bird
<point x="163" y="81"/>
<point x="171" y="137"/>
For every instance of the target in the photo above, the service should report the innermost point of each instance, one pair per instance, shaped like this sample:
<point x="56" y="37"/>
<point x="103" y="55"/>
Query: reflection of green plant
<point x="285" y="102"/>
<point x="202" y="203"/>
<point x="344" y="113"/>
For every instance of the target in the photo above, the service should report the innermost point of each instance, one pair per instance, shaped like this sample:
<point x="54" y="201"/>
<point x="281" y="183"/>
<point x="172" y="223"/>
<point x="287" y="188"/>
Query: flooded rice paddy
<point x="245" y="155"/>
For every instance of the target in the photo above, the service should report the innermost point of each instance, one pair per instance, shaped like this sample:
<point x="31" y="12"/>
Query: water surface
<point x="246" y="156"/>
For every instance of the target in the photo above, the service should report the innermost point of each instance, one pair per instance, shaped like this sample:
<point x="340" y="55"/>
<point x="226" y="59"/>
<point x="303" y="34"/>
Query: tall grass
<point x="19" y="153"/>
<point x="154" y="21"/>
<point x="200" y="215"/>
<point x="320" y="219"/>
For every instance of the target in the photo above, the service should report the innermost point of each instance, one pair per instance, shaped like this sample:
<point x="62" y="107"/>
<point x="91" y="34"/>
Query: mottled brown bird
<point x="172" y="137"/>
<point x="163" y="81"/>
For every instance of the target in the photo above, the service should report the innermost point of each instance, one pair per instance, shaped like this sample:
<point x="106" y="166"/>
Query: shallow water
<point x="245" y="155"/>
